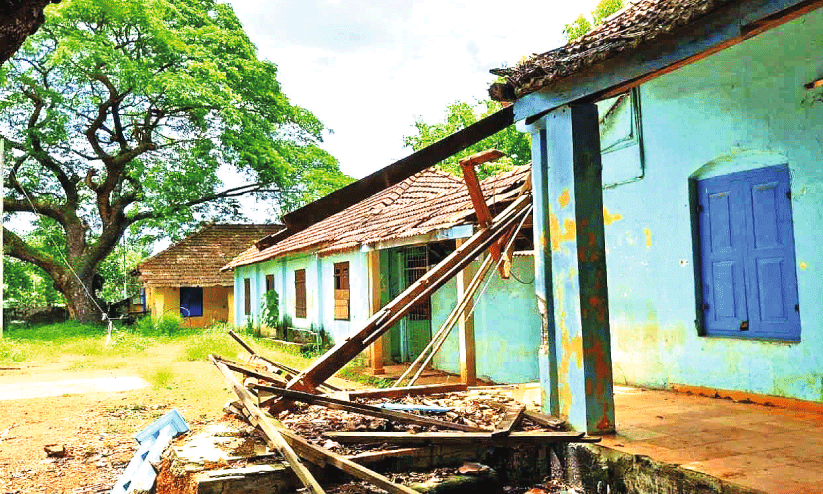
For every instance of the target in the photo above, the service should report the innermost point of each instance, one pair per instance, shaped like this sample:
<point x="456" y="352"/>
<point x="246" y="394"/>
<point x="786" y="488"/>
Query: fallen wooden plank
<point x="514" y="415"/>
<point x="252" y="372"/>
<point x="545" y="420"/>
<point x="288" y="372"/>
<point x="258" y="419"/>
<point x="369" y="410"/>
<point x="310" y="451"/>
<point x="425" y="438"/>
<point x="428" y="389"/>
<point x="536" y="417"/>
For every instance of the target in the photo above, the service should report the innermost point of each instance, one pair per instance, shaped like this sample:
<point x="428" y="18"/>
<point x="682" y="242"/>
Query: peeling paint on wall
<point x="803" y="265"/>
<point x="648" y="237"/>
<point x="609" y="218"/>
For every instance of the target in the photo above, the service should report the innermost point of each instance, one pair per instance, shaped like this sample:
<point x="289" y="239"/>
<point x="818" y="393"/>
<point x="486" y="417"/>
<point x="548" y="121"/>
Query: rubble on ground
<point x="272" y="440"/>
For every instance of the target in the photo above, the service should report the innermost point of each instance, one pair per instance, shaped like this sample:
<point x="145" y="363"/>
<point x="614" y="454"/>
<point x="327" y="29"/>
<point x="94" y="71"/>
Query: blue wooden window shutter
<point x="191" y="301"/>
<point x="749" y="282"/>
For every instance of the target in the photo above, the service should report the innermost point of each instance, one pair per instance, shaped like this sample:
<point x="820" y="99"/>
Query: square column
<point x="578" y="268"/>
<point x="465" y="326"/>
<point x="546" y="354"/>
<point x="376" y="351"/>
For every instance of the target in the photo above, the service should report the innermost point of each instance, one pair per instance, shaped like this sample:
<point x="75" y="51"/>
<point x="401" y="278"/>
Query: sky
<point x="368" y="68"/>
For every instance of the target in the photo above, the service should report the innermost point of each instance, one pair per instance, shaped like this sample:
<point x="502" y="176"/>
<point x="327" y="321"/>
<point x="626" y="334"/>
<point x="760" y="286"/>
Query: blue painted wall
<point x="319" y="290"/>
<point x="506" y="326"/>
<point x="740" y="109"/>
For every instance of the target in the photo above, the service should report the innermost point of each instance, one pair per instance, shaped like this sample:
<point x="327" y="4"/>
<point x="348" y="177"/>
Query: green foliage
<point x="583" y="25"/>
<point x="460" y="115"/>
<point x="120" y="113"/>
<point x="25" y="284"/>
<point x="270" y="309"/>
<point x="166" y="325"/>
<point x="115" y="270"/>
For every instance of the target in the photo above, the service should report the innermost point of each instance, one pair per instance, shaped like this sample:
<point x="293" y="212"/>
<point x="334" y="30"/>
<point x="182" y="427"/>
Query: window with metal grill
<point x="417" y="263"/>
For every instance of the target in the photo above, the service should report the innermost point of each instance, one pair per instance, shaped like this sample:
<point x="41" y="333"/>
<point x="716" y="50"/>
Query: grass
<point x="173" y="360"/>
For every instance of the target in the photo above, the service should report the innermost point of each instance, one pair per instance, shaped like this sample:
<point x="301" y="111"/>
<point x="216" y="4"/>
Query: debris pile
<point x="277" y="438"/>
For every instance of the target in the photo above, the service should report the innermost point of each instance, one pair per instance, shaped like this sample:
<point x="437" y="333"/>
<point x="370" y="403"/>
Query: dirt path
<point x="96" y="426"/>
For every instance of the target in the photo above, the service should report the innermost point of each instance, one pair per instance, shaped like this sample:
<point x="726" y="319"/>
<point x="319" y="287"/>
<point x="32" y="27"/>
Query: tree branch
<point x="18" y="248"/>
<point x="233" y="192"/>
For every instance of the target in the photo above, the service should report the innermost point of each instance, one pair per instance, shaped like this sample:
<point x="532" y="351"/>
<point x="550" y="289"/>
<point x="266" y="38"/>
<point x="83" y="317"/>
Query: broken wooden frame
<point x="385" y="318"/>
<point x="288" y="373"/>
<point x="286" y="442"/>
<point x="427" y="389"/>
<point x="369" y="410"/>
<point x="273" y="437"/>
<point x="448" y="438"/>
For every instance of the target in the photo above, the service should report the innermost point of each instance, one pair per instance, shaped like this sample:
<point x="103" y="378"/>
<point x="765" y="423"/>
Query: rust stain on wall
<point x="564" y="198"/>
<point x="559" y="236"/>
<point x="609" y="218"/>
<point x="648" y="237"/>
<point x="803" y="265"/>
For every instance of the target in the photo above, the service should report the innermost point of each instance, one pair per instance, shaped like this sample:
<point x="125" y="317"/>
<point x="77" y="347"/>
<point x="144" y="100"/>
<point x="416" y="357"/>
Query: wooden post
<point x="468" y="359"/>
<point x="374" y="279"/>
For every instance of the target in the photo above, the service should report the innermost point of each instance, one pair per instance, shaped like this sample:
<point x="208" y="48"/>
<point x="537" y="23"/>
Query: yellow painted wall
<point x="166" y="300"/>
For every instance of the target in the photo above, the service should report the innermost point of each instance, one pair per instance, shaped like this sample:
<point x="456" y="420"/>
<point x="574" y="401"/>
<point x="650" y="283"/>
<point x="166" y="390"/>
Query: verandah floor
<point x="776" y="450"/>
<point x="772" y="449"/>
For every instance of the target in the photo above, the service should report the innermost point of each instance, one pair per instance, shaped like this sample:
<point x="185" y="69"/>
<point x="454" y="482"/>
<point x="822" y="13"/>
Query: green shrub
<point x="166" y="325"/>
<point x="270" y="309"/>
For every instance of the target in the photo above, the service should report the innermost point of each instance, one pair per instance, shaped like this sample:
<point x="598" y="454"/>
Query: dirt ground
<point x="96" y="428"/>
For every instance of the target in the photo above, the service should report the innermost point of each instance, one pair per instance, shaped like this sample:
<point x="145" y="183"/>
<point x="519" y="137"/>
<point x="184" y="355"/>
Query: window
<point x="247" y="295"/>
<point x="749" y="283"/>
<point x="417" y="263"/>
<point x="341" y="291"/>
<point x="300" y="293"/>
<point x="269" y="282"/>
<point x="191" y="301"/>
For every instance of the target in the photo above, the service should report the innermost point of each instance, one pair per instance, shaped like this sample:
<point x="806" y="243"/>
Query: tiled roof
<point x="428" y="201"/>
<point x="638" y="23"/>
<point x="196" y="260"/>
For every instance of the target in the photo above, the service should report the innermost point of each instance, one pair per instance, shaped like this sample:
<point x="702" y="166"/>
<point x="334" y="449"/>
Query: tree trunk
<point x="80" y="305"/>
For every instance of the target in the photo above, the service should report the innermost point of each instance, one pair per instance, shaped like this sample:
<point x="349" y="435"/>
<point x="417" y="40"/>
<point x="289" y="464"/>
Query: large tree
<point x="119" y="115"/>
<point x="461" y="114"/>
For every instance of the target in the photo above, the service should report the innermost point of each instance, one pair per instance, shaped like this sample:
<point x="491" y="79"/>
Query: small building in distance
<point x="185" y="279"/>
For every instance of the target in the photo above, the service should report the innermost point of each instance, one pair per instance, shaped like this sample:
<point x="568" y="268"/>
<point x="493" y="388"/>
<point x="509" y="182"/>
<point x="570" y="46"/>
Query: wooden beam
<point x="342" y="463"/>
<point x="484" y="215"/>
<point x="333" y="360"/>
<point x="286" y="371"/>
<point x="509" y="421"/>
<point x="437" y="438"/>
<point x="395" y="173"/>
<point x="376" y="353"/>
<point x="466" y="289"/>
<point x="258" y="419"/>
<point x="369" y="410"/>
<point x="251" y="371"/>
<point x="728" y="25"/>
<point x="429" y="389"/>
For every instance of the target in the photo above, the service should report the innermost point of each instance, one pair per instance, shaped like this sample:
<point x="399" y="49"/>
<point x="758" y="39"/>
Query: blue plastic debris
<point x="414" y="408"/>
<point x="140" y="475"/>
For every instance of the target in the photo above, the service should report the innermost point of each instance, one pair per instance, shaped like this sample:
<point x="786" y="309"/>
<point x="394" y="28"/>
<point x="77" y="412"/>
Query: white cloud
<point x="367" y="68"/>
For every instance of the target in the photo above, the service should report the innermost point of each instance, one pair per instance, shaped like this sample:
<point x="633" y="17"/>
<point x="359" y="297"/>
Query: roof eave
<point x="726" y="26"/>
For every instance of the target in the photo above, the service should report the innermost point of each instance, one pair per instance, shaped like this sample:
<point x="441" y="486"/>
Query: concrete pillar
<point x="578" y="268"/>
<point x="546" y="355"/>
